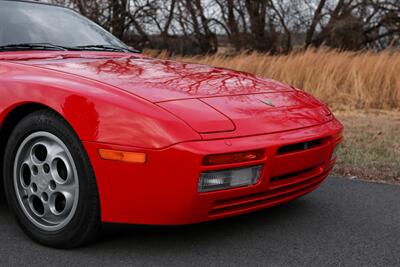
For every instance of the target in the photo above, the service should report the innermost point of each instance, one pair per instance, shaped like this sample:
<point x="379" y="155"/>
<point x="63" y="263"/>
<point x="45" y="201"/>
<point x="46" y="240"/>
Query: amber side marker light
<point x="236" y="157"/>
<point x="123" y="156"/>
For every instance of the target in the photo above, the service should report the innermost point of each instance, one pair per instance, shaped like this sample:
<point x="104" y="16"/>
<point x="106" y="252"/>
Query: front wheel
<point x="49" y="182"/>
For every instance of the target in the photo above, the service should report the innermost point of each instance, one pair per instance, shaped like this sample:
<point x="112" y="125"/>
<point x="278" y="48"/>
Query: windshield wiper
<point x="104" y="48"/>
<point x="33" y="46"/>
<point x="48" y="46"/>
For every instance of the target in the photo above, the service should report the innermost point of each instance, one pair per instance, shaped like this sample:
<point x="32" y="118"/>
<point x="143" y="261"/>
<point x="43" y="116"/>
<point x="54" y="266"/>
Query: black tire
<point x="85" y="223"/>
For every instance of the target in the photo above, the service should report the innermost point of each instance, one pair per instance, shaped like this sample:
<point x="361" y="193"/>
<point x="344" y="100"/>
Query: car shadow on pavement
<point x="140" y="238"/>
<point x="213" y="231"/>
<point x="3" y="201"/>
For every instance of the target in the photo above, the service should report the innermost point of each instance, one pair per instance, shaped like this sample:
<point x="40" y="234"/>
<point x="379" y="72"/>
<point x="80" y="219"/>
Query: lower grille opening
<point x="292" y="174"/>
<point x="301" y="146"/>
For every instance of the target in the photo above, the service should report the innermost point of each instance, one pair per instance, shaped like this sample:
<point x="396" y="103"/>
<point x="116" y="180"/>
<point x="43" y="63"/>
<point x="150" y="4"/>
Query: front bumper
<point x="164" y="190"/>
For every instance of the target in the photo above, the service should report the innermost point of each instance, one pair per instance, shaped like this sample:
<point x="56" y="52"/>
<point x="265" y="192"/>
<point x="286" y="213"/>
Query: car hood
<point x="210" y="100"/>
<point x="251" y="114"/>
<point x="163" y="80"/>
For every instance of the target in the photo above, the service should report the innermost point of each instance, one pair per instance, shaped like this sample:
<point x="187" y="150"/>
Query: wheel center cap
<point x="42" y="183"/>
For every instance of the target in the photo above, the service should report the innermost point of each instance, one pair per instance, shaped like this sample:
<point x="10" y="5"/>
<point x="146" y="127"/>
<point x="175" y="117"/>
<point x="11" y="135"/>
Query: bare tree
<point x="275" y="26"/>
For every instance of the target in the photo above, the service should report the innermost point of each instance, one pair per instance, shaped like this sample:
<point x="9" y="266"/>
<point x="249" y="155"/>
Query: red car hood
<point x="209" y="99"/>
<point x="162" y="80"/>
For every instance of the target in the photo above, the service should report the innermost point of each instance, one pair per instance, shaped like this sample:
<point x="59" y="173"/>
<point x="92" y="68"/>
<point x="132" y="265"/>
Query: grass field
<point x="362" y="88"/>
<point x="341" y="79"/>
<point x="371" y="149"/>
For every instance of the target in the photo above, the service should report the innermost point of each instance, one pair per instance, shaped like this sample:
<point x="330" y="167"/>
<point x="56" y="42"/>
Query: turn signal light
<point x="229" y="158"/>
<point x="130" y="157"/>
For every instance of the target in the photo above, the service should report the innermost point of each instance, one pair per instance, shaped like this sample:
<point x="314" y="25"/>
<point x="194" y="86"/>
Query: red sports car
<point x="93" y="131"/>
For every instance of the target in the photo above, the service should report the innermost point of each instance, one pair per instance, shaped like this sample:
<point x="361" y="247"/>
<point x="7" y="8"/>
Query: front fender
<point x="96" y="111"/>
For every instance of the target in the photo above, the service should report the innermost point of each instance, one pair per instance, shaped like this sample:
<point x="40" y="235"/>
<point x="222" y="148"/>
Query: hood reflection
<point x="162" y="80"/>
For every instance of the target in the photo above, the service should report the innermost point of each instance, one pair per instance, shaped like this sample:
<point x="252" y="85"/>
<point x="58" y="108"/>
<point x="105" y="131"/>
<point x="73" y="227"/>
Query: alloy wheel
<point x="46" y="181"/>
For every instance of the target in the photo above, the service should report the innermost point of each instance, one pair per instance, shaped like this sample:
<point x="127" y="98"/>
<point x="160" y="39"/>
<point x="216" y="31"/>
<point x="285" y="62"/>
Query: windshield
<point x="30" y="23"/>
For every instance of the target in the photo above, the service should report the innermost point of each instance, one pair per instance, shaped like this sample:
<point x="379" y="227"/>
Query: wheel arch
<point x="16" y="122"/>
<point x="11" y="120"/>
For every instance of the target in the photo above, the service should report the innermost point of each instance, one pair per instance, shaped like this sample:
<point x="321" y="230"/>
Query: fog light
<point x="229" y="178"/>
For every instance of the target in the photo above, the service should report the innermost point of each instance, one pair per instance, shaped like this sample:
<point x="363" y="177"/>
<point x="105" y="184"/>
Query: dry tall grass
<point x="342" y="79"/>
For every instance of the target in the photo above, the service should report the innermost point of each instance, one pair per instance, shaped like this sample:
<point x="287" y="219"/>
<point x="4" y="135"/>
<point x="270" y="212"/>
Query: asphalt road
<point x="346" y="223"/>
